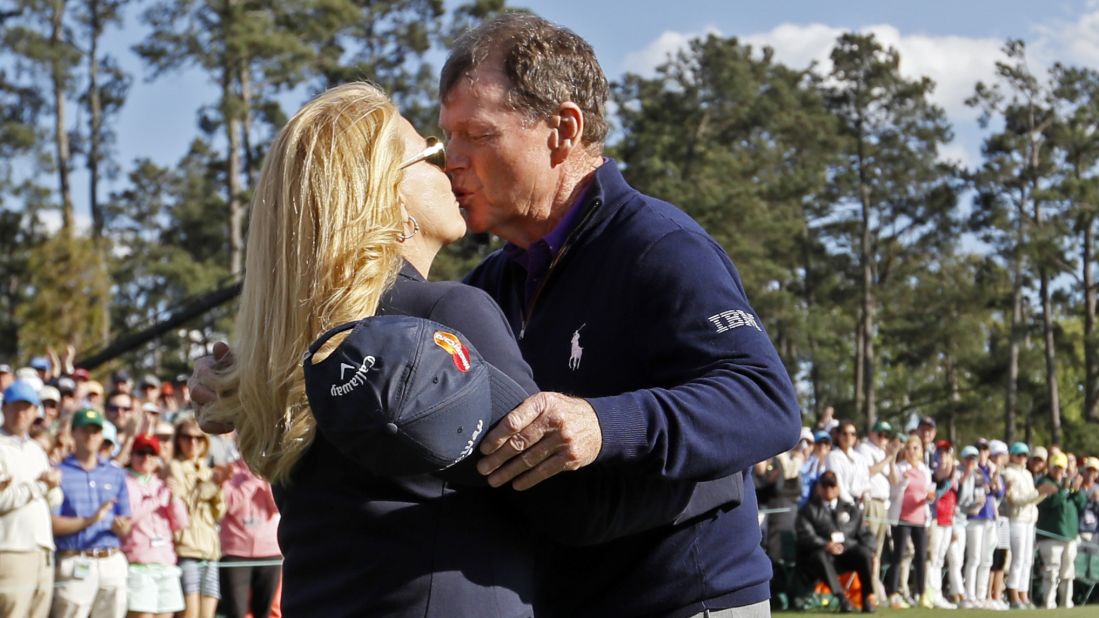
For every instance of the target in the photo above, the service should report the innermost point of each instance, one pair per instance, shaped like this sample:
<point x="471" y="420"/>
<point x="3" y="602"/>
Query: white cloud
<point x="1072" y="42"/>
<point x="644" y="61"/>
<point x="51" y="220"/>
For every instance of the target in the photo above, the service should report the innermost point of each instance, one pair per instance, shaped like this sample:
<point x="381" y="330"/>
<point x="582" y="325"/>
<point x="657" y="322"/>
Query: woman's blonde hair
<point x="322" y="249"/>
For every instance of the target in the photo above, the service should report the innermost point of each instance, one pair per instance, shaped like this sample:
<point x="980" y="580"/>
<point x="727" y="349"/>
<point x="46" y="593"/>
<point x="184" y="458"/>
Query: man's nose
<point x="456" y="157"/>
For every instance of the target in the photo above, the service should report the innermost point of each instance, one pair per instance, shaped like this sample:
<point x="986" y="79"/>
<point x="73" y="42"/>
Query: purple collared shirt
<point x="537" y="258"/>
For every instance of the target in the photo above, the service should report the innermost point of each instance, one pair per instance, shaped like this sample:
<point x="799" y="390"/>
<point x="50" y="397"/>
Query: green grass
<point x="1091" y="611"/>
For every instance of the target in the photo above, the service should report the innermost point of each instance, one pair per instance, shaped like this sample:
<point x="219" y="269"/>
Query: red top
<point x="914" y="506"/>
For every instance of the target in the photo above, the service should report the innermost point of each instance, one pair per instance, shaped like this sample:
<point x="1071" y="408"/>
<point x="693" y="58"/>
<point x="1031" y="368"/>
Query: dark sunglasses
<point x="119" y="408"/>
<point x="434" y="153"/>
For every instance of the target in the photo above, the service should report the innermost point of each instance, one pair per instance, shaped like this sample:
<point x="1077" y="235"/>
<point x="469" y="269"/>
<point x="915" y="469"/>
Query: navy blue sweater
<point x="644" y="315"/>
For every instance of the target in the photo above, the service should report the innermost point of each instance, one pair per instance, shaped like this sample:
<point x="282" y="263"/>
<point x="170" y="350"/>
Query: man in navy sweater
<point x="634" y="322"/>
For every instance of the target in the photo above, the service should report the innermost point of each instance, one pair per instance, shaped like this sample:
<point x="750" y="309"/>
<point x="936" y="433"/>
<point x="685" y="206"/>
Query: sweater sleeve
<point x="729" y="401"/>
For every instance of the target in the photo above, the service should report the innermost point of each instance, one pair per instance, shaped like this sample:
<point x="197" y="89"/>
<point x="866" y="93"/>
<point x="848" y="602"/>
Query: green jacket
<point x="1059" y="514"/>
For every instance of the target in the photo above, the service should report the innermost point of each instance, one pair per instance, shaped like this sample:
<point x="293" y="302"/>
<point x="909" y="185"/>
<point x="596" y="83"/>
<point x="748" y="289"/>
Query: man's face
<point x="18" y="417"/>
<point x="829" y="492"/>
<point x="926" y="433"/>
<point x="87" y="439"/>
<point x="847" y="436"/>
<point x="119" y="410"/>
<point x="498" y="159"/>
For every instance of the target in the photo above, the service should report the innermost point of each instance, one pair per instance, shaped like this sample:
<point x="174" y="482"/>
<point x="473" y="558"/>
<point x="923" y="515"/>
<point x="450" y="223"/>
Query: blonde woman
<point x="191" y="480"/>
<point x="351" y="208"/>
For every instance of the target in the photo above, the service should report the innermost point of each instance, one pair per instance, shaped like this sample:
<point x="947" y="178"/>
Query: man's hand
<point x="51" y="477"/>
<point x="202" y="395"/>
<point x="546" y="434"/>
<point x="100" y="513"/>
<point x="834" y="548"/>
<point x="1047" y="489"/>
<point x="121" y="526"/>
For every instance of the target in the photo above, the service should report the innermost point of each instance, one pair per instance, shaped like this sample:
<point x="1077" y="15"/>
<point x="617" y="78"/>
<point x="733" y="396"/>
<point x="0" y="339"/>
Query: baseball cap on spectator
<point x="164" y="430"/>
<point x="146" y="442"/>
<point x="997" y="447"/>
<point x="110" y="433"/>
<point x="88" y="416"/>
<point x="5" y="368"/>
<point x="150" y="407"/>
<point x="1039" y="452"/>
<point x="92" y="387"/>
<point x="969" y="451"/>
<point x="120" y="376"/>
<point x="1019" y="448"/>
<point x="403" y="395"/>
<point x="1091" y="462"/>
<point x="822" y="436"/>
<point x="150" y="381"/>
<point x="981" y="444"/>
<point x="167" y="389"/>
<point x="927" y="420"/>
<point x="49" y="393"/>
<point x="807" y="434"/>
<point x="81" y="374"/>
<point x="66" y="386"/>
<point x="943" y="445"/>
<point x="883" y="427"/>
<point x="1058" y="460"/>
<point x="40" y="363"/>
<point x="22" y="390"/>
<point x="30" y="376"/>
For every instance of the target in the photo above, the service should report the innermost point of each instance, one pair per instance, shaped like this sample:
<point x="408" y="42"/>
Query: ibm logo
<point x="728" y="320"/>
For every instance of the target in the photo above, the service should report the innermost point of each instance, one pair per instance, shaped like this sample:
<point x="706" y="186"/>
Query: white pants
<point x="980" y="544"/>
<point x="1058" y="570"/>
<point x="941" y="537"/>
<point x="90" y="587"/>
<point x="1022" y="556"/>
<point x="955" y="558"/>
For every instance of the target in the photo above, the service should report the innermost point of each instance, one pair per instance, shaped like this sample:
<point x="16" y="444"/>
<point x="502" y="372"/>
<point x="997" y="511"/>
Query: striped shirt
<point x="85" y="491"/>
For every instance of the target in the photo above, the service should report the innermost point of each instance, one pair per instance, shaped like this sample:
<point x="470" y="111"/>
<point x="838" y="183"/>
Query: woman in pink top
<point x="912" y="491"/>
<point x="152" y="583"/>
<point x="248" y="533"/>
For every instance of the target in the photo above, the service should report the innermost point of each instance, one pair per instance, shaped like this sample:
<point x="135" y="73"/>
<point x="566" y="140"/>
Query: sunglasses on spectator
<point x="118" y="408"/>
<point x="434" y="153"/>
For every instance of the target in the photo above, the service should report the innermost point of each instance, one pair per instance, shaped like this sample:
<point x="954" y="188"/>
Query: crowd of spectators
<point x="925" y="523"/>
<point x="113" y="502"/>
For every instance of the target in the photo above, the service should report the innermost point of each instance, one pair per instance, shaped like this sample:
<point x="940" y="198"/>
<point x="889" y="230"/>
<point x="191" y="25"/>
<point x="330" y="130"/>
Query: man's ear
<point x="568" y="129"/>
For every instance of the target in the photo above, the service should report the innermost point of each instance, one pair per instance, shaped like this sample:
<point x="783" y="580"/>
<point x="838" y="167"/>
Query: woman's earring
<point x="415" y="228"/>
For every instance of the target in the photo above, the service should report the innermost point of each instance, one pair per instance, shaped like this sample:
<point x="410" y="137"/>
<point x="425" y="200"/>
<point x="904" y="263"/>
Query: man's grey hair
<point x="546" y="65"/>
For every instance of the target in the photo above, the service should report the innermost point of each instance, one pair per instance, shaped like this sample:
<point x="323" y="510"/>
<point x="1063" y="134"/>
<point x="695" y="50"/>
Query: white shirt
<point x="25" y="502"/>
<point x="879" y="483"/>
<point x="852" y="471"/>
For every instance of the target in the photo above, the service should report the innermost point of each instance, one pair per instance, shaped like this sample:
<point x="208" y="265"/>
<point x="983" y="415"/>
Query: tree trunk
<point x="61" y="136"/>
<point x="1051" y="360"/>
<point x="251" y="167"/>
<point x="95" y="120"/>
<point x="1011" y="396"/>
<point x="810" y="304"/>
<point x="1091" y="358"/>
<point x="955" y="401"/>
<point x="866" y="263"/>
<point x="232" y="175"/>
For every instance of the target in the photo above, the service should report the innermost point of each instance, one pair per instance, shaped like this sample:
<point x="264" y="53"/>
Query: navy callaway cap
<point x="402" y="395"/>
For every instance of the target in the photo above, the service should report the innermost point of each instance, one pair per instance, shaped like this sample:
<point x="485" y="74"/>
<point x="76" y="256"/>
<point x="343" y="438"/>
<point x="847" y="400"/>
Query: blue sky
<point x="956" y="43"/>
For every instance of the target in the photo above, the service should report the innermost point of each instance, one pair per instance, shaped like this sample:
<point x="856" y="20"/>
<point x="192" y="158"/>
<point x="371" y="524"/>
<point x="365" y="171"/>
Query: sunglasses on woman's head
<point x="434" y="153"/>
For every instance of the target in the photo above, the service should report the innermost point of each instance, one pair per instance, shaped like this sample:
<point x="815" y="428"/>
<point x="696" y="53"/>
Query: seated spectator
<point x="153" y="583"/>
<point x="248" y="534"/>
<point x="832" y="538"/>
